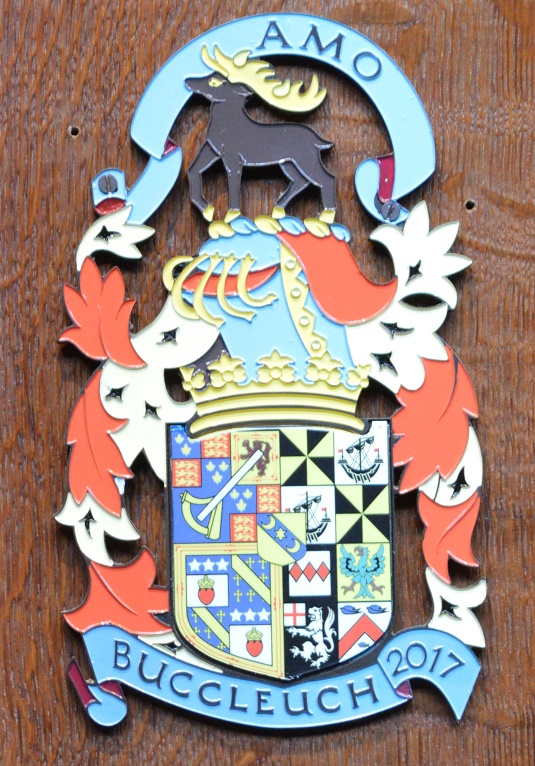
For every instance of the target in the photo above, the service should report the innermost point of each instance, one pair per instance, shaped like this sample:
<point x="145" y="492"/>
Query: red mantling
<point x="338" y="285"/>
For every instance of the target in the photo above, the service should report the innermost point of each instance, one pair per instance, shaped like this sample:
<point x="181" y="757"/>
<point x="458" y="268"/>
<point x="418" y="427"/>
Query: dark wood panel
<point x="86" y="64"/>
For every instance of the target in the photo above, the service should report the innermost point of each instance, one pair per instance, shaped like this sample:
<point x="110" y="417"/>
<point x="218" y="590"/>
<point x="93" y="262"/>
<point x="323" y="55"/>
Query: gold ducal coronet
<point x="224" y="399"/>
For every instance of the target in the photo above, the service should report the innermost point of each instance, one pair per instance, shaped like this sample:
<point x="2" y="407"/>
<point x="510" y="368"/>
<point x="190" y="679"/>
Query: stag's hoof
<point x="316" y="227"/>
<point x="328" y="215"/>
<point x="278" y="212"/>
<point x="267" y="224"/>
<point x="231" y="215"/>
<point x="220" y="229"/>
<point x="208" y="213"/>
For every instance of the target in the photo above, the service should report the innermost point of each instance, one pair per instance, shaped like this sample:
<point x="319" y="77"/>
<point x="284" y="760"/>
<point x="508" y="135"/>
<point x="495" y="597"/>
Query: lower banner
<point x="118" y="657"/>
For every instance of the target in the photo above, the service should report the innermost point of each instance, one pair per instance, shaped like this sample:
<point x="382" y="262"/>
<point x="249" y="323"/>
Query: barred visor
<point x="204" y="283"/>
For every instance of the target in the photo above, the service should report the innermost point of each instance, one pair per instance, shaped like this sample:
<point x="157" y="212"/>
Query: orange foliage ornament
<point x="101" y="317"/>
<point x="95" y="458"/>
<point x="448" y="532"/>
<point x="112" y="601"/>
<point x="432" y="426"/>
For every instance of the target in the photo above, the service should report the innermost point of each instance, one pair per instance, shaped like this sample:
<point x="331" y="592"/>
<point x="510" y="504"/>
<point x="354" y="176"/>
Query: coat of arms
<point x="279" y="490"/>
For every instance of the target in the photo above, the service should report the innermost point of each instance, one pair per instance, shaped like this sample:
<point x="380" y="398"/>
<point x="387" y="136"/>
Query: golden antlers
<point x="262" y="79"/>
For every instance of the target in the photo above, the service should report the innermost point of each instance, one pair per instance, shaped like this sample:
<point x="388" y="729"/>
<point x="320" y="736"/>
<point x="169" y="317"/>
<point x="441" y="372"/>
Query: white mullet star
<point x="194" y="565"/>
<point x="263" y="615"/>
<point x="249" y="615"/>
<point x="236" y="616"/>
<point x="208" y="565"/>
<point x="222" y="565"/>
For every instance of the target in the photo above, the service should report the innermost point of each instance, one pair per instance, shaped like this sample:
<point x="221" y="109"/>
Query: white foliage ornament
<point x="144" y="398"/>
<point x="91" y="523"/>
<point x="113" y="234"/>
<point x="462" y="622"/>
<point x="402" y="335"/>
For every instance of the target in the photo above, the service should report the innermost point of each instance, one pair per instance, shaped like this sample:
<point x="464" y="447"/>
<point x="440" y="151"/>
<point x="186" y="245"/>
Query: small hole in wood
<point x="470" y="204"/>
<point x="74" y="131"/>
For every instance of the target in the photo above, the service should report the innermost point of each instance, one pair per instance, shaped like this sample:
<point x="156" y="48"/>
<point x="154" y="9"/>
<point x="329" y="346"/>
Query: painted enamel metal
<point x="279" y="491"/>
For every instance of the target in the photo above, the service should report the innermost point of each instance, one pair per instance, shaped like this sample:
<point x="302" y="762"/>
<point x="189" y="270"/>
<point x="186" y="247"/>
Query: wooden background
<point x="86" y="64"/>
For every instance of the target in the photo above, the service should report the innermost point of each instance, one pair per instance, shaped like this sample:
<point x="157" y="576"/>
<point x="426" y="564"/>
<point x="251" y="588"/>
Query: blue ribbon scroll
<point x="419" y="653"/>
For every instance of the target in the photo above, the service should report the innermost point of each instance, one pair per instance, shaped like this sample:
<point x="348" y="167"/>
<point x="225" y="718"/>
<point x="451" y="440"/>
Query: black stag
<point x="239" y="141"/>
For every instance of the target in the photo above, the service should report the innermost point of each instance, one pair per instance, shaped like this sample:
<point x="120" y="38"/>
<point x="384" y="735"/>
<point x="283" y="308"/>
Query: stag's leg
<point x="314" y="170"/>
<point x="204" y="159"/>
<point x="298" y="182"/>
<point x="234" y="166"/>
<point x="328" y="192"/>
<point x="327" y="183"/>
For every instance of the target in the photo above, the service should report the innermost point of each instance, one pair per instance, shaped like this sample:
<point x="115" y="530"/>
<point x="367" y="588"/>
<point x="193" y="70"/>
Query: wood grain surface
<point x="85" y="64"/>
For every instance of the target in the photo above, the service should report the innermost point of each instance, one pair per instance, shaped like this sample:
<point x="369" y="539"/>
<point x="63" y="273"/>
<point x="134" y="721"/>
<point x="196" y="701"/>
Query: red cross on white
<point x="294" y="615"/>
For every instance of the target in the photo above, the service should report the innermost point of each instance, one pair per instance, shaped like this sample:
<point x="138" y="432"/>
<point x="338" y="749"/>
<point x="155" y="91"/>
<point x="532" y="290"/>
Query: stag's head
<point x="217" y="88"/>
<point x="241" y="76"/>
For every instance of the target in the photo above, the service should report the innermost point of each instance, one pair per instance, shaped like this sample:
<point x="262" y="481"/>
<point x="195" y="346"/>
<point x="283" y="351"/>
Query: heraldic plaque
<point x="280" y="492"/>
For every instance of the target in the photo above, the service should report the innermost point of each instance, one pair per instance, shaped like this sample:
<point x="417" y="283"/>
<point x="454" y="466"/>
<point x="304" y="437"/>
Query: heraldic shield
<point x="281" y="544"/>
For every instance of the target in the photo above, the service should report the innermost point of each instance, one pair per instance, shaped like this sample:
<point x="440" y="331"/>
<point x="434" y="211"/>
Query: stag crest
<point x="262" y="79"/>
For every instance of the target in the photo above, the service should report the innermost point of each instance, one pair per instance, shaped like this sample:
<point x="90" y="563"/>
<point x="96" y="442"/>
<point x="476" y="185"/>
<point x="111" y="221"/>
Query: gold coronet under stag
<point x="262" y="79"/>
<point x="197" y="309"/>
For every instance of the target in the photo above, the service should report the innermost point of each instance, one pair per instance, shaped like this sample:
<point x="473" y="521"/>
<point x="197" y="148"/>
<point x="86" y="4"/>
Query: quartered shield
<point x="281" y="545"/>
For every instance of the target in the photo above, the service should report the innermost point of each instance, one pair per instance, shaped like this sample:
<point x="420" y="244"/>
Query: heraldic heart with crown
<point x="280" y="491"/>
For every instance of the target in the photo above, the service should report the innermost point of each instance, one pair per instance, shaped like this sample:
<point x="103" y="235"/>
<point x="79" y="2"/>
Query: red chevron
<point x="363" y="625"/>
